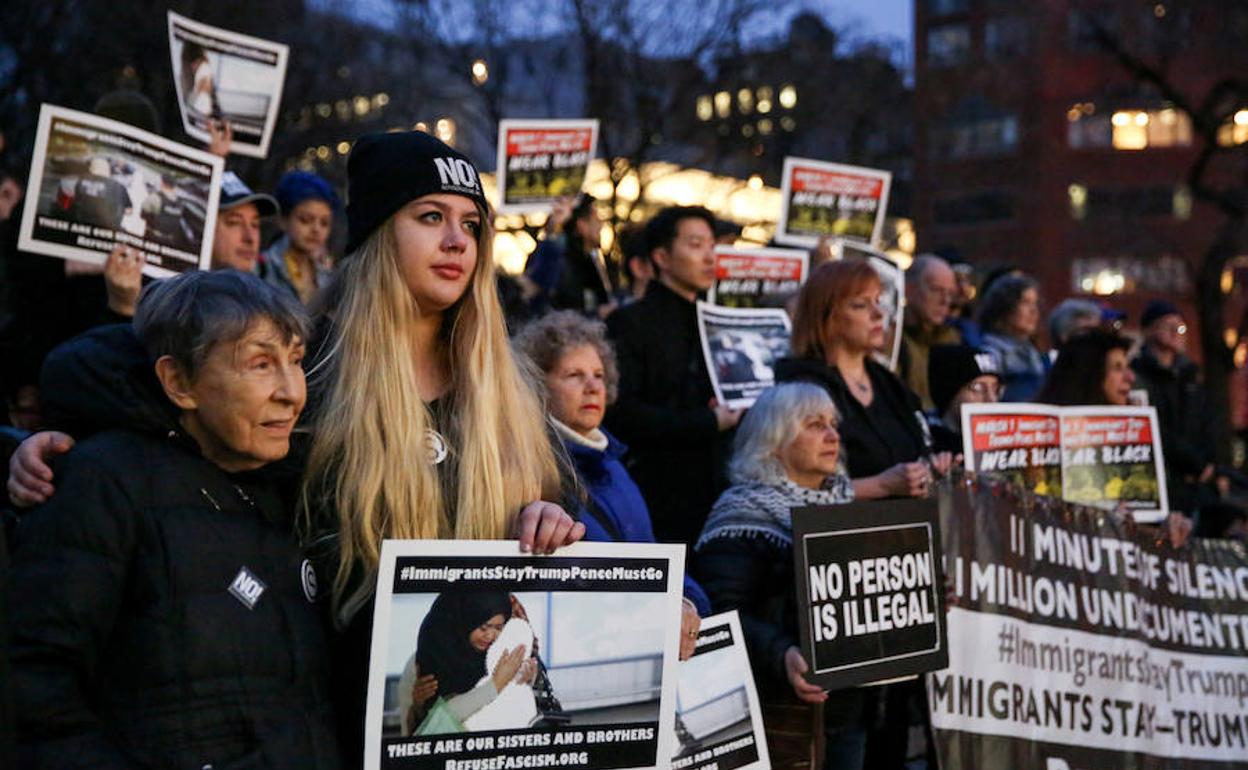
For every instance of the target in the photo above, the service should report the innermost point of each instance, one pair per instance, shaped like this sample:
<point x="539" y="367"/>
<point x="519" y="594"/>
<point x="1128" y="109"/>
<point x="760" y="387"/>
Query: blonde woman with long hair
<point x="425" y="426"/>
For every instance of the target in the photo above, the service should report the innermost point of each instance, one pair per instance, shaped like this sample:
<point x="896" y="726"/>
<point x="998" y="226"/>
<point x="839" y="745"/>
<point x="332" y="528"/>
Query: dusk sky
<point x="879" y="17"/>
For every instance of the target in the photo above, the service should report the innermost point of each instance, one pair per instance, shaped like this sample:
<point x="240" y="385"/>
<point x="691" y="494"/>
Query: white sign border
<point x="500" y="170"/>
<point x="392" y="550"/>
<point x="49" y="112"/>
<point x="282" y="51"/>
<point x="786" y="188"/>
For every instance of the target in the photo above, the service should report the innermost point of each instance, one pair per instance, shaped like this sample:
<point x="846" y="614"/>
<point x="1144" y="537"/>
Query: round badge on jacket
<point x="308" y="576"/>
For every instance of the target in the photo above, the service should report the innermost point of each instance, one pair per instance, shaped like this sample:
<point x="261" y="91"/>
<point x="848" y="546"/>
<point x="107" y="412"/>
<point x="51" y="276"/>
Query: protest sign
<point x="819" y="199"/>
<point x="1105" y="456"/>
<point x="540" y="161"/>
<point x="224" y="75"/>
<point x="1021" y="442"/>
<point x="96" y="183"/>
<point x="481" y="654"/>
<point x="892" y="295"/>
<point x="1079" y="640"/>
<point x="869" y="591"/>
<point x="718" y="720"/>
<point x="756" y="277"/>
<point x="741" y="347"/>
<point x="1111" y="456"/>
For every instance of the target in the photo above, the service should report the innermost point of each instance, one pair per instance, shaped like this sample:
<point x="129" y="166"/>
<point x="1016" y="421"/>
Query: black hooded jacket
<point x="162" y="613"/>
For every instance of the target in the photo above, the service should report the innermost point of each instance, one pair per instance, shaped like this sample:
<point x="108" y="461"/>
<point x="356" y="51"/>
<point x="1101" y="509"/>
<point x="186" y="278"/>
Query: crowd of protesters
<point x="158" y="435"/>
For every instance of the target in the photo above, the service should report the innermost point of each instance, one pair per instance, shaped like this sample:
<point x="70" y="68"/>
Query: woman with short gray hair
<point x="786" y="455"/>
<point x="576" y="364"/>
<point x="165" y="558"/>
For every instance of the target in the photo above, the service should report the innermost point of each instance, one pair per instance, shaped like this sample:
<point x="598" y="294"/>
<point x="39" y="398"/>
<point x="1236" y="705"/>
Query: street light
<point x="480" y="72"/>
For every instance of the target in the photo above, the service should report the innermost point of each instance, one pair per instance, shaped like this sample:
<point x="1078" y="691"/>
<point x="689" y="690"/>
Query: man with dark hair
<point x="666" y="410"/>
<point x="1173" y="383"/>
<point x="637" y="264"/>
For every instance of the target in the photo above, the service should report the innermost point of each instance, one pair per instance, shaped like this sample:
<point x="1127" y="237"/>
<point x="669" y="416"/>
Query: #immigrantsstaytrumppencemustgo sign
<point x="870" y="592"/>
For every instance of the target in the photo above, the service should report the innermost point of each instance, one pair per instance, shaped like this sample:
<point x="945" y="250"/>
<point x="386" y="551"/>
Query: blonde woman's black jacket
<point x="161" y="610"/>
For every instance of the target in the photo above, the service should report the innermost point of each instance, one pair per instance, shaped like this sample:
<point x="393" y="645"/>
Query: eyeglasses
<point x="986" y="390"/>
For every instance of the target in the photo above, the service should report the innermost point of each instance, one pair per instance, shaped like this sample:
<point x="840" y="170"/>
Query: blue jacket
<point x="618" y="513"/>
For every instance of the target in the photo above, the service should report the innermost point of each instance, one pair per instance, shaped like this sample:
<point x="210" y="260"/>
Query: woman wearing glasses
<point x="959" y="375"/>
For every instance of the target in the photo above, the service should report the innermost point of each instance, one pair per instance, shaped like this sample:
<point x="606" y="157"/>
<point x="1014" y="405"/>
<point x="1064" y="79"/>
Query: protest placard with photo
<point x="757" y="277"/>
<point x="741" y="347"/>
<point x="483" y="654"/>
<point x="540" y="161"/>
<point x="1111" y="458"/>
<point x="1105" y="456"/>
<point x="892" y="295"/>
<point x="719" y="723"/>
<point x="1021" y="442"/>
<point x="871" y="599"/>
<point x="1078" y="640"/>
<point x="819" y="199"/>
<point x="95" y="183"/>
<point x="224" y="75"/>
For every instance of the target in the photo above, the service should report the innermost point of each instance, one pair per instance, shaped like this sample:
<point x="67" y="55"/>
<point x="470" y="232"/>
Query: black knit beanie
<point x="387" y="171"/>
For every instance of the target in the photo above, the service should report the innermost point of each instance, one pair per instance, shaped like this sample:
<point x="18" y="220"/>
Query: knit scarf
<point x="764" y="509"/>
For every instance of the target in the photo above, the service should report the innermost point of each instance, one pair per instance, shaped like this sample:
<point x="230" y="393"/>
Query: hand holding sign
<point x="795" y="669"/>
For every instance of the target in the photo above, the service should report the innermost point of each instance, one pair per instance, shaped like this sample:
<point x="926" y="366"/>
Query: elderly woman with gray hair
<point x="786" y="454"/>
<point x="163" y="615"/>
<point x="577" y="366"/>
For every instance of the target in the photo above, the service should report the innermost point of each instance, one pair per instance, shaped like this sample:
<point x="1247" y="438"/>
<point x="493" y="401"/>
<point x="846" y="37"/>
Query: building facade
<point x="1037" y="146"/>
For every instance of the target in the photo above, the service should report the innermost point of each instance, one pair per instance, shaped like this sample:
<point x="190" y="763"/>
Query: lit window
<point x="1235" y="130"/>
<point x="764" y="95"/>
<point x="480" y="72"/>
<point x="745" y="101"/>
<point x="948" y="44"/>
<point x="381" y="100"/>
<point x="705" y="108"/>
<point x="344" y="148"/>
<point x="361" y="105"/>
<point x="787" y="123"/>
<point x="764" y="126"/>
<point x="788" y="97"/>
<point x="723" y="104"/>
<point x="1078" y="195"/>
<point x="1127" y="129"/>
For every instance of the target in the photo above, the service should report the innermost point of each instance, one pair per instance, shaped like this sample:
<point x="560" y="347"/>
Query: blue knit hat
<point x="295" y="187"/>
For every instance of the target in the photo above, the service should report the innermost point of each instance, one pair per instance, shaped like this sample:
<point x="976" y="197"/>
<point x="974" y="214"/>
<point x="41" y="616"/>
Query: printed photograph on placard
<point x="762" y="277"/>
<point x="892" y="295"/>
<point x="1020" y="442"/>
<point x="225" y="75"/>
<point x="480" y="653"/>
<point x="96" y="183"/>
<point x="718" y="720"/>
<point x="1111" y="458"/>
<point x="820" y="199"/>
<point x="540" y="161"/>
<point x="741" y="348"/>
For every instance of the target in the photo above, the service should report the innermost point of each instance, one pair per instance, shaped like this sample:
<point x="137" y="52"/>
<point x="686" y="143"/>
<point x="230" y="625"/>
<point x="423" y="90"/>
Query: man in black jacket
<point x="666" y="410"/>
<point x="162" y="613"/>
<point x="1173" y="383"/>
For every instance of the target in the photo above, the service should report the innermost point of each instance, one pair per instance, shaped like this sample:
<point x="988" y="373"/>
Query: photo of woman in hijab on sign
<point x="473" y="668"/>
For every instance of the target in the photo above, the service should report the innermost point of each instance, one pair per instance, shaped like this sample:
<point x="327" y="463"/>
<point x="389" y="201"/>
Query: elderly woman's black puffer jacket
<point x="162" y="614"/>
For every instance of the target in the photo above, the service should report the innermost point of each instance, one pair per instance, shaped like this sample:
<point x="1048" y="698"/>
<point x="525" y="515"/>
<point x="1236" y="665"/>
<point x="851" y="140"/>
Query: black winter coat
<point x="867" y="451"/>
<point x="162" y="612"/>
<point x="678" y="454"/>
<point x="755" y="577"/>
<point x="1188" y="435"/>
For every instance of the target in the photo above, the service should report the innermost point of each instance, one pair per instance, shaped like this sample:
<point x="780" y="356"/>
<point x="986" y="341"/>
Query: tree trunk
<point x="1218" y="359"/>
